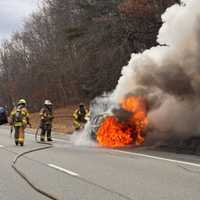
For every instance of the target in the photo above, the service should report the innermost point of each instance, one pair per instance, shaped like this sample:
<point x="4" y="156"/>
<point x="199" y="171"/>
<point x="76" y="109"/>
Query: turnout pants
<point x="19" y="134"/>
<point x="45" y="130"/>
<point x="78" y="124"/>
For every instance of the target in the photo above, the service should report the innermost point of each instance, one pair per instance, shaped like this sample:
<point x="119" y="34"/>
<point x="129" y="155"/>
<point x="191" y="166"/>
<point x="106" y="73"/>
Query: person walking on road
<point x="19" y="119"/>
<point x="46" y="120"/>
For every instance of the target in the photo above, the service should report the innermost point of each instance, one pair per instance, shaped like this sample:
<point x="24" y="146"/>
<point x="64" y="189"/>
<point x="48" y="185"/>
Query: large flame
<point x="113" y="133"/>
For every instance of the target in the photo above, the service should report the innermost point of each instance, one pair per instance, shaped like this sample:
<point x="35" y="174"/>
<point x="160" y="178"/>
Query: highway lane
<point x="73" y="172"/>
<point x="11" y="185"/>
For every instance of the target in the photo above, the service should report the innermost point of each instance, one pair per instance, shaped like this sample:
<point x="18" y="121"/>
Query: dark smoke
<point x="168" y="75"/>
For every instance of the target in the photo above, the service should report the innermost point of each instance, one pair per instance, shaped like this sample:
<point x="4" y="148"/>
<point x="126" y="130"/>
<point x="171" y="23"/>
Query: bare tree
<point x="73" y="50"/>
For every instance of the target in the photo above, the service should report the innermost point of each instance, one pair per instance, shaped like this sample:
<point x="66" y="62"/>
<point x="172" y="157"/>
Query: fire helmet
<point x="81" y="105"/>
<point x="21" y="101"/>
<point x="47" y="103"/>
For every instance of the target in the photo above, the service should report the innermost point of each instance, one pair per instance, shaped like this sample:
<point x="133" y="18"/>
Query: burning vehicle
<point x="123" y="126"/>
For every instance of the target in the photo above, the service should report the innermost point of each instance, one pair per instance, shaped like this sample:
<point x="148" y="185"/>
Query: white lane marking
<point x="1" y="146"/>
<point x="63" y="170"/>
<point x="159" y="158"/>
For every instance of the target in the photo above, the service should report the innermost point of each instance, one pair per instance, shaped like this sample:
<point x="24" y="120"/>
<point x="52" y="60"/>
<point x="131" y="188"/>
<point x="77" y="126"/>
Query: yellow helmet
<point x="21" y="101"/>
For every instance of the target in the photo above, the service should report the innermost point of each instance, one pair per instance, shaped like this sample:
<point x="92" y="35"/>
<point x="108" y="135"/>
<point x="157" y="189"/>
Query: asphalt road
<point x="87" y="173"/>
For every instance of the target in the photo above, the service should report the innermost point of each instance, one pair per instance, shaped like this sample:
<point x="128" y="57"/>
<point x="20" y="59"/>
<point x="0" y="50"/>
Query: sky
<point x="12" y="15"/>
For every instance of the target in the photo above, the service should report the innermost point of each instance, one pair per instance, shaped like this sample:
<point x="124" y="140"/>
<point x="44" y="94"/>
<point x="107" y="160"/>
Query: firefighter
<point x="80" y="116"/>
<point x="46" y="116"/>
<point x="19" y="119"/>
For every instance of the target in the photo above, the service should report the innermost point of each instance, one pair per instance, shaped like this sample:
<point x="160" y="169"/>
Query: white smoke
<point x="98" y="107"/>
<point x="169" y="74"/>
<point x="83" y="137"/>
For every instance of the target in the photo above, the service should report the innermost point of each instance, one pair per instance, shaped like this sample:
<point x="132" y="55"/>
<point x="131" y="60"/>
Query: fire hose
<point x="35" y="187"/>
<point x="36" y="134"/>
<point x="23" y="176"/>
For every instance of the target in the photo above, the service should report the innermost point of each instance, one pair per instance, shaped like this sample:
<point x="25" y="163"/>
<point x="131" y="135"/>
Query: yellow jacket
<point x="46" y="116"/>
<point x="19" y="117"/>
<point x="77" y="115"/>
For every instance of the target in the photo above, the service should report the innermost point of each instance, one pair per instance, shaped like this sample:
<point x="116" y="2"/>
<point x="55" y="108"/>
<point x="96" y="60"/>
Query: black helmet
<point x="81" y="105"/>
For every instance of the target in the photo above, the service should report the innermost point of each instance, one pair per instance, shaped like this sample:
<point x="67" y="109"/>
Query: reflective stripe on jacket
<point x="24" y="117"/>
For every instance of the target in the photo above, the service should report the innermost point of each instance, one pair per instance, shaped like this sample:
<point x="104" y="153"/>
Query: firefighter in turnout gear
<point x="19" y="119"/>
<point x="46" y="119"/>
<point x="80" y="117"/>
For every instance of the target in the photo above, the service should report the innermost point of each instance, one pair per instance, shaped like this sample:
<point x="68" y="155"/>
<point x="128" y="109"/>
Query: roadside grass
<point x="62" y="122"/>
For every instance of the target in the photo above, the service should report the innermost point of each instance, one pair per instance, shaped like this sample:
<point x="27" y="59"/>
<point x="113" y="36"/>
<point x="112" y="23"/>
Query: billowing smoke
<point x="169" y="74"/>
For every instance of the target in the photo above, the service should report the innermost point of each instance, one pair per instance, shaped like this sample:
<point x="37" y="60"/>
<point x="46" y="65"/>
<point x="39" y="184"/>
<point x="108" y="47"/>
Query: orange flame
<point x="113" y="133"/>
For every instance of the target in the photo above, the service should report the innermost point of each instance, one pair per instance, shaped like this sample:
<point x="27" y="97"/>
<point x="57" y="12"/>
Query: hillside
<point x="71" y="50"/>
<point x="62" y="122"/>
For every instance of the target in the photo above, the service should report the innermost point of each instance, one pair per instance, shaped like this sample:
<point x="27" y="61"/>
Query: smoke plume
<point x="168" y="75"/>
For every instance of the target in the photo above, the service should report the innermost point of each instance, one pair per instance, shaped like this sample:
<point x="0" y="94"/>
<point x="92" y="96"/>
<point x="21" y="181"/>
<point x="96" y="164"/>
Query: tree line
<point x="73" y="50"/>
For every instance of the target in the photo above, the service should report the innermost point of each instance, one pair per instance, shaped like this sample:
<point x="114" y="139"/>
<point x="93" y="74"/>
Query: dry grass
<point x="62" y="122"/>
